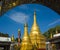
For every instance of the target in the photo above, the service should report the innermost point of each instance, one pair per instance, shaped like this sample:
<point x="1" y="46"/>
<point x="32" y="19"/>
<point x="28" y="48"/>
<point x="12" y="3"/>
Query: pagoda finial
<point x="12" y="38"/>
<point x="34" y="16"/>
<point x="25" y="29"/>
<point x="56" y="31"/>
<point x="51" y="35"/>
<point x="18" y="30"/>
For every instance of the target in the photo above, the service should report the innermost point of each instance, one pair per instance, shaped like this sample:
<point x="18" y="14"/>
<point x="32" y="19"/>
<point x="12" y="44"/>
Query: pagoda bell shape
<point x="37" y="39"/>
<point x="26" y="43"/>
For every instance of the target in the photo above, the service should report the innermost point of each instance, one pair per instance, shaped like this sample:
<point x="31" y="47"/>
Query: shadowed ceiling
<point x="5" y="5"/>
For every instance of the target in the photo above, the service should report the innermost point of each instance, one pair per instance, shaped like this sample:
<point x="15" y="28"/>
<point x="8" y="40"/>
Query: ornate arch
<point x="5" y="5"/>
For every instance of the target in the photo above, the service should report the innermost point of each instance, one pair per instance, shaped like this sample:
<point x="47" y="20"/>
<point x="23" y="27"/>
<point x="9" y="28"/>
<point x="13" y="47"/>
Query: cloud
<point x="19" y="17"/>
<point x="54" y="22"/>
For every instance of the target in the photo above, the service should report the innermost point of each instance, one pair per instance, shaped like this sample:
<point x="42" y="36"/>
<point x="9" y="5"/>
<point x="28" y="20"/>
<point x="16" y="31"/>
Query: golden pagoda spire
<point x="56" y="31"/>
<point x="51" y="35"/>
<point x="25" y="30"/>
<point x="35" y="25"/>
<point x="12" y="38"/>
<point x="34" y="17"/>
<point x="36" y="36"/>
<point x="26" y="43"/>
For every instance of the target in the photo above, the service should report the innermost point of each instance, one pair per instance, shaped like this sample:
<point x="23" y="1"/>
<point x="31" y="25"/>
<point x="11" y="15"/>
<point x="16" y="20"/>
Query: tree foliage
<point x="52" y="30"/>
<point x="4" y="35"/>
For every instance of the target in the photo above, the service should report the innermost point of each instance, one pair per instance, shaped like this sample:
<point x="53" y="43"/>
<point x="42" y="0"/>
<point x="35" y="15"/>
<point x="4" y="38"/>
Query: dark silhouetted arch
<point x="8" y="4"/>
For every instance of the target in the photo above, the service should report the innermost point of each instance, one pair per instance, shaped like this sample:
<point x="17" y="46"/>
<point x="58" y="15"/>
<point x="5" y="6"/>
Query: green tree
<point x="4" y="35"/>
<point x="51" y="30"/>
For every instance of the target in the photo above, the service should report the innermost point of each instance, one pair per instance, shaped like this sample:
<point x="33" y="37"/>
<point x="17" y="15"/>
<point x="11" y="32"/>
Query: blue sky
<point x="15" y="18"/>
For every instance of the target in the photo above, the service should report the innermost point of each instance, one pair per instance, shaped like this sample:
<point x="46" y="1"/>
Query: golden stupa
<point x="26" y="43"/>
<point x="37" y="39"/>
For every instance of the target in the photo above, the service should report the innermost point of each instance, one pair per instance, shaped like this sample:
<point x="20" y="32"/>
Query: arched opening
<point x="16" y="17"/>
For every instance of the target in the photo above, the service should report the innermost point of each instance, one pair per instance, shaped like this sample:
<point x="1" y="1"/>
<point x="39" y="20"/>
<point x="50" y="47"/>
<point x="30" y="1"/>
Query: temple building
<point x="55" y="41"/>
